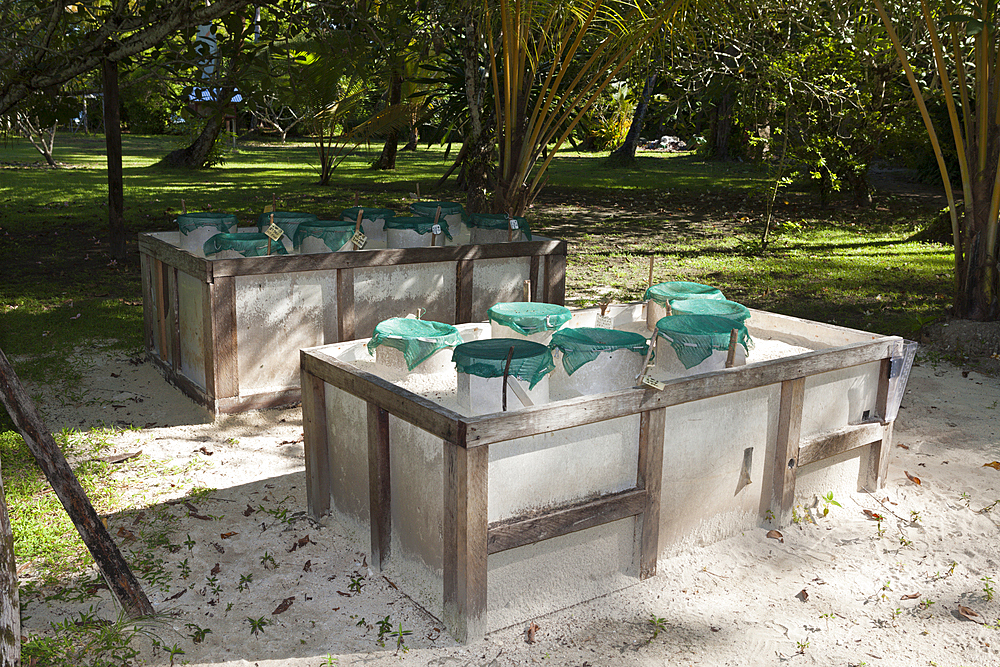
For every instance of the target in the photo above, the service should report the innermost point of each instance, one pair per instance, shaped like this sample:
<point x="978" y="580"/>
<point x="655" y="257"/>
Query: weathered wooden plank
<point x="379" y="486"/>
<point x="284" y="398"/>
<point x="412" y="408"/>
<point x="345" y="303"/>
<point x="122" y="582"/>
<point x="157" y="248"/>
<point x="876" y="467"/>
<point x="160" y="294"/>
<point x="528" y="529"/>
<point x="463" y="291"/>
<point x="208" y="337"/>
<point x="316" y="445"/>
<point x="818" y="447"/>
<point x="174" y="321"/>
<point x="652" y="436"/>
<point x="465" y="533"/>
<point x="246" y="266"/>
<point x="223" y="345"/>
<point x="146" y="264"/>
<point x="534" y="269"/>
<point x="486" y="429"/>
<point x="555" y="279"/>
<point x="786" y="450"/>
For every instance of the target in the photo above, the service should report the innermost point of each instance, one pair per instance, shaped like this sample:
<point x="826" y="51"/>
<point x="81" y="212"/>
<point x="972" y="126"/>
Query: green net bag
<point x="529" y="317"/>
<point x="333" y="233"/>
<point x="287" y="220"/>
<point x="487" y="358"/>
<point x="695" y="337"/>
<point x="429" y="208"/>
<point x="499" y="221"/>
<point x="679" y="289"/>
<point x="223" y="222"/>
<point x="720" y="307"/>
<point x="369" y="214"/>
<point x="583" y="345"/>
<point x="248" y="244"/>
<point x="416" y="339"/>
<point x="417" y="223"/>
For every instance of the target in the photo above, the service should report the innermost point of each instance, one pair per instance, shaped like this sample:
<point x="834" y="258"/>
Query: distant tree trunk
<point x="10" y="607"/>
<point x="387" y="160"/>
<point x="113" y="140"/>
<point x="624" y="155"/>
<point x="197" y="154"/>
<point x="722" y="125"/>
<point x="411" y="145"/>
<point x="476" y="176"/>
<point x="860" y="188"/>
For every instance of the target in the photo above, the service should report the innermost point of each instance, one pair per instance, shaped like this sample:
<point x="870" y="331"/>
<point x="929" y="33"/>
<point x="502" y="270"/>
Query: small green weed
<point x="257" y="625"/>
<point x="659" y="624"/>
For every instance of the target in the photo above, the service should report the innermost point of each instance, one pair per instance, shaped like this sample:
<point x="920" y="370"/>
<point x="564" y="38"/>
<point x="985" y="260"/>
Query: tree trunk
<point x="411" y="145"/>
<point x="10" y="606"/>
<point x="387" y="160"/>
<point x="50" y="459"/>
<point x="197" y="154"/>
<point x="722" y="125"/>
<point x="476" y="174"/>
<point x="624" y="155"/>
<point x="977" y="283"/>
<point x="113" y="140"/>
<point x="860" y="188"/>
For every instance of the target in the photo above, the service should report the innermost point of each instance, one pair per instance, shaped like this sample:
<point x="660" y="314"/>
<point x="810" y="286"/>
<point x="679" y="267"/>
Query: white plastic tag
<point x="274" y="232"/>
<point x="650" y="381"/>
<point x="436" y="229"/>
<point x="604" y="322"/>
<point x="359" y="240"/>
<point x="513" y="223"/>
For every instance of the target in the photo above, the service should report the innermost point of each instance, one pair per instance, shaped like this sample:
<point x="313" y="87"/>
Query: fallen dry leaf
<point x="205" y="450"/>
<point x="126" y="533"/>
<point x="283" y="607"/>
<point x="968" y="613"/>
<point x="911" y="596"/>
<point x="248" y="511"/>
<point x="802" y="595"/>
<point x="993" y="464"/>
<point x="226" y="536"/>
<point x="177" y="595"/>
<point x="915" y="480"/>
<point x="308" y="566"/>
<point x="217" y="569"/>
<point x="532" y="629"/>
<point x="195" y="515"/>
<point x="774" y="534"/>
<point x="346" y="595"/>
<point x="119" y="458"/>
<point x="874" y="516"/>
<point x="902" y="446"/>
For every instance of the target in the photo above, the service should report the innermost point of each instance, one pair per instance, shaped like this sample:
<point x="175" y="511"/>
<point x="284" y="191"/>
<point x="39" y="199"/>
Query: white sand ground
<point x="893" y="599"/>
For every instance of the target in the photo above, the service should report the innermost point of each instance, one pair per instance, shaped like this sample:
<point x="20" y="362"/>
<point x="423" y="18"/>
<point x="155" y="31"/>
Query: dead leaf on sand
<point x="226" y="536"/>
<point x="217" y="569"/>
<point x="911" y="596"/>
<point x="283" y="607"/>
<point x="532" y="629"/>
<point x="992" y="464"/>
<point x="969" y="614"/>
<point x="776" y="535"/>
<point x="915" y="480"/>
<point x="802" y="595"/>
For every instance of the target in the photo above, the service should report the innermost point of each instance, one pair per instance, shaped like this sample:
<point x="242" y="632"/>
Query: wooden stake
<point x="437" y="216"/>
<point x="357" y="199"/>
<point x="274" y="204"/>
<point x="527" y="291"/>
<point x="269" y="238"/>
<point x="357" y="225"/>
<point x="184" y="208"/>
<point x="652" y="260"/>
<point x="50" y="459"/>
<point x="506" y="374"/>
<point x="731" y="357"/>
<point x="418" y="189"/>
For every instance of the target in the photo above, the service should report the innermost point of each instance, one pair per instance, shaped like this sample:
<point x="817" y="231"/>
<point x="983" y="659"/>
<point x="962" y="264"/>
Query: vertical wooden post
<point x="463" y="290"/>
<point x="10" y="605"/>
<point x="160" y="296"/>
<point x="465" y="540"/>
<point x="379" y="485"/>
<point x="74" y="499"/>
<point x="876" y="467"/>
<point x="533" y="268"/>
<point x="555" y="279"/>
<point x="113" y="144"/>
<point x="786" y="451"/>
<point x="652" y="432"/>
<point x="174" y="323"/>
<point x="223" y="349"/>
<point x="316" y="444"/>
<point x="345" y="304"/>
<point x="146" y="265"/>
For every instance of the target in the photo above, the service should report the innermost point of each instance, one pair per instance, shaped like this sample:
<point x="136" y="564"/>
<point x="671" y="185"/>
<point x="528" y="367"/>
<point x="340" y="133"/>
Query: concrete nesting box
<point x="227" y="331"/>
<point x="491" y="520"/>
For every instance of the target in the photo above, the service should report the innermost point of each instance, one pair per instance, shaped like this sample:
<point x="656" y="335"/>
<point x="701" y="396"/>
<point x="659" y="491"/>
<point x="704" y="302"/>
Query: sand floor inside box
<point x="579" y="496"/>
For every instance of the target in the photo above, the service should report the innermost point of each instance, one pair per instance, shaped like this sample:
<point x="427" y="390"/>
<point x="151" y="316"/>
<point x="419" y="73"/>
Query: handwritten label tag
<point x="274" y="232"/>
<point x="604" y="322"/>
<point x="513" y="223"/>
<point x="436" y="229"/>
<point x="650" y="381"/>
<point x="268" y="208"/>
<point x="359" y="240"/>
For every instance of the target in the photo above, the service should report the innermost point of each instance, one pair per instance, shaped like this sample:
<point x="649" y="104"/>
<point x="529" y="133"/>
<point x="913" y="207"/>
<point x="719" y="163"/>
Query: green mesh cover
<point x="680" y="289"/>
<point x="487" y="359"/>
<point x="334" y="233"/>
<point x="188" y="222"/>
<point x="695" y="337"/>
<point x="720" y="307"/>
<point x="248" y="244"/>
<point x="429" y="208"/>
<point x="370" y="214"/>
<point x="287" y="220"/>
<point x="418" y="223"/>
<point x="529" y="318"/>
<point x="499" y="221"/>
<point x="416" y="339"/>
<point x="583" y="345"/>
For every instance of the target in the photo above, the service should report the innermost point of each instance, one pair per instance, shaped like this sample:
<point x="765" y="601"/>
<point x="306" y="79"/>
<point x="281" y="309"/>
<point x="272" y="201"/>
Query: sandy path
<point x="735" y="602"/>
